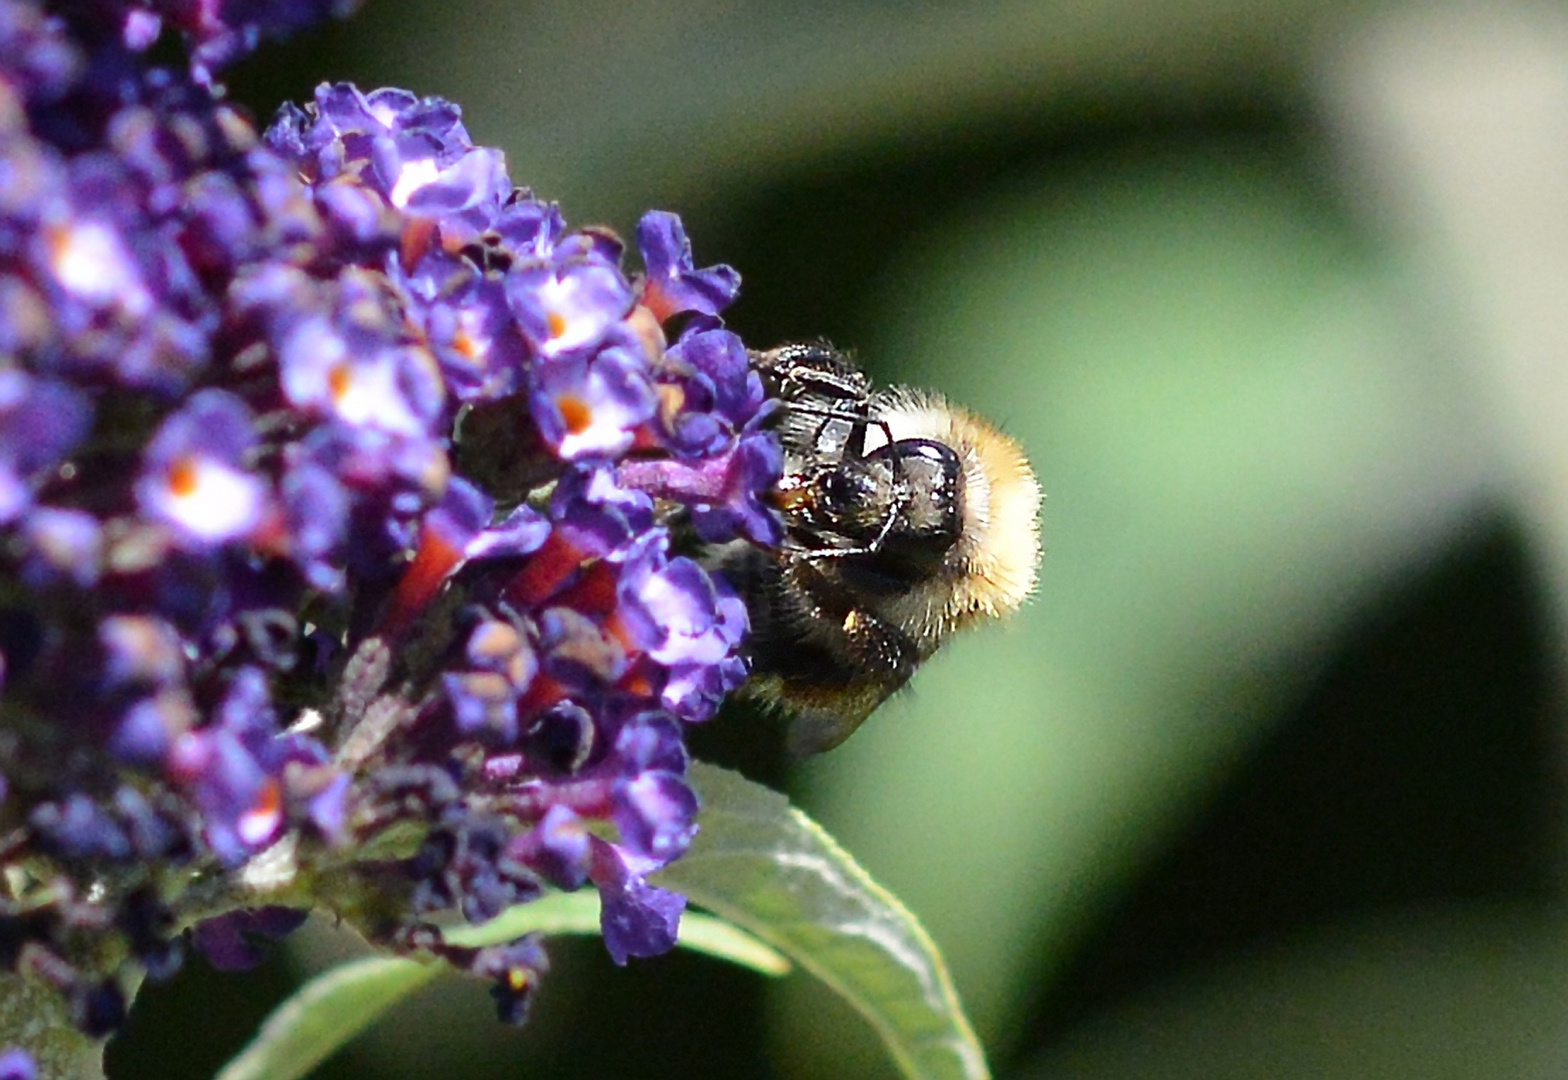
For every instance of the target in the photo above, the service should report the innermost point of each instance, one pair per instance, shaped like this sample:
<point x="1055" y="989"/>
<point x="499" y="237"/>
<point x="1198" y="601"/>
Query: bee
<point x="906" y="518"/>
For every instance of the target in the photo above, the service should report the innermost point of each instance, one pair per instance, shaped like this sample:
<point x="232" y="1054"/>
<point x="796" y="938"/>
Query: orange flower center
<point x="576" y="414"/>
<point x="183" y="474"/>
<point x="339" y="380"/>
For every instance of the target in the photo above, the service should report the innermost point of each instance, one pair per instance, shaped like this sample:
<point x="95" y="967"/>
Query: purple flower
<point x="141" y="29"/>
<point x="568" y="307"/>
<point x="463" y="196"/>
<point x="194" y="476"/>
<point x="673" y="284"/>
<point x="41" y="421"/>
<point x="328" y="808"/>
<point x="737" y="508"/>
<point x="556" y="848"/>
<point x="530" y="229"/>
<point x="77" y="828"/>
<point x="694" y="692"/>
<point x="17" y="1065"/>
<point x="146" y="731"/>
<point x="317" y="509"/>
<point x="62" y="544"/>
<point x="349" y="362"/>
<point x="522" y="531"/>
<point x="679" y="613"/>
<point x="726" y="492"/>
<point x="656" y="813"/>
<point x="232" y="942"/>
<point x="595" y="514"/>
<point x="502" y="665"/>
<point x="464" y="865"/>
<point x="412" y="153"/>
<point x="463" y="513"/>
<point x="469" y="325"/>
<point x="516" y="969"/>
<point x="90" y="261"/>
<point x="242" y="806"/>
<point x="592" y="406"/>
<point x="711" y="392"/>
<point x="140" y="650"/>
<point x="637" y="919"/>
<point x="123" y="294"/>
<point x="652" y="740"/>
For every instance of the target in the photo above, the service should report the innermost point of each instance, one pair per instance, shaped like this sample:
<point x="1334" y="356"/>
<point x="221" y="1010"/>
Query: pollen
<point x="557" y="324"/>
<point x="672" y="399"/>
<point x="576" y="414"/>
<point x="262" y="819"/>
<point x="184" y="477"/>
<point x="792" y="499"/>
<point x="340" y="380"/>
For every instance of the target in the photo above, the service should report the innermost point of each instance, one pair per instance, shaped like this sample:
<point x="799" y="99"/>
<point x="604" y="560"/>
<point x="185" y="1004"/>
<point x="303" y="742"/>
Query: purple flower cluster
<point x="341" y="489"/>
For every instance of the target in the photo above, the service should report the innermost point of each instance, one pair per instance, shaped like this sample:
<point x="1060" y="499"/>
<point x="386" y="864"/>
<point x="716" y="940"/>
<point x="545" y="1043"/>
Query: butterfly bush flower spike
<point x="337" y="480"/>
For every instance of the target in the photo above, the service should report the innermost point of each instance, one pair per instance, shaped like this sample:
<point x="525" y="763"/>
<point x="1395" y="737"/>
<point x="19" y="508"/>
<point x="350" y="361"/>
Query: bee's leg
<point x="881" y="648"/>
<point x="816" y="369"/>
<point x="870" y="659"/>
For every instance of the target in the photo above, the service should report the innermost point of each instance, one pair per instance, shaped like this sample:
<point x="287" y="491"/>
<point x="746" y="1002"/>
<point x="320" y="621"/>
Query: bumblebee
<point x="906" y="518"/>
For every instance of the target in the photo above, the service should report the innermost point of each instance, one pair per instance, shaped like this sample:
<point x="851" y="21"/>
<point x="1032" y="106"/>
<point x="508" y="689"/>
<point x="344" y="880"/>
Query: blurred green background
<point x="1266" y="781"/>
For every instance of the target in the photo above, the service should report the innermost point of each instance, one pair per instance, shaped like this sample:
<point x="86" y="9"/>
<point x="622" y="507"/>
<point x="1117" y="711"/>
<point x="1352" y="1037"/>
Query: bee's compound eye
<point x="847" y="487"/>
<point x="854" y="499"/>
<point x="932" y="477"/>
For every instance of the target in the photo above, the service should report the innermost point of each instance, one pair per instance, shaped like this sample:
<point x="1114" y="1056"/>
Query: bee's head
<point x="895" y="512"/>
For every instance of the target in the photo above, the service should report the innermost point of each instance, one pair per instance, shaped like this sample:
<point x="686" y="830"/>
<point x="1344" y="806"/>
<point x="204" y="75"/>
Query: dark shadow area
<point x="192" y="1024"/>
<point x="1422" y="766"/>
<point x="812" y="247"/>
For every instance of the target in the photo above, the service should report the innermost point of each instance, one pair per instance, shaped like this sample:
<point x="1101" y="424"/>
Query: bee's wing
<point x="812" y="730"/>
<point x="824" y="714"/>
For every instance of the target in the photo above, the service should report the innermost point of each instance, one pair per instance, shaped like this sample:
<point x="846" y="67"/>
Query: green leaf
<point x="578" y="913"/>
<point x="325" y="1013"/>
<point x="763" y="865"/>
